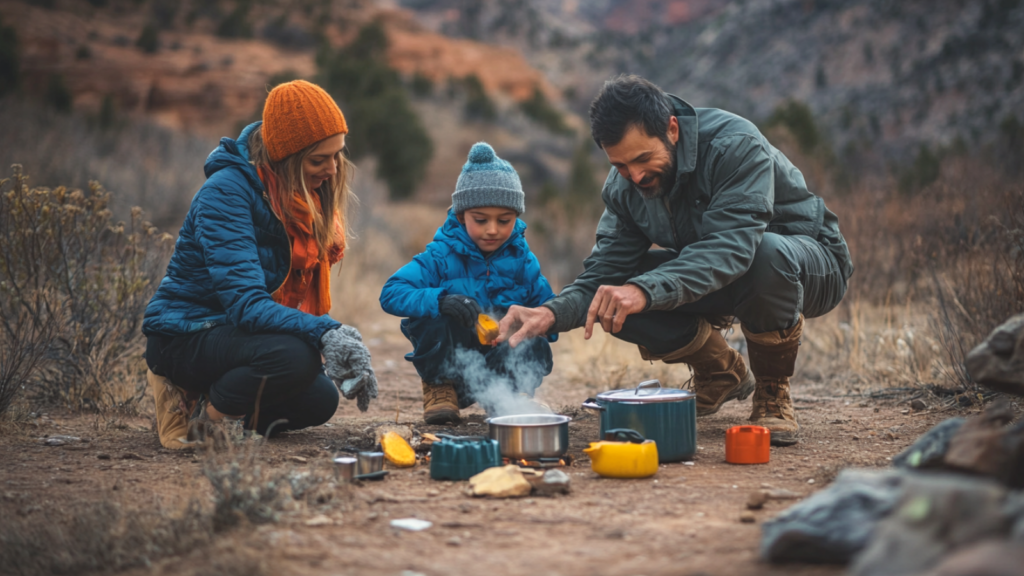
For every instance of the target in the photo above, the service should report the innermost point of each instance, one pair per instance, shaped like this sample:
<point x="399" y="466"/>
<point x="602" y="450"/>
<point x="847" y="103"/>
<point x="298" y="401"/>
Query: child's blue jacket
<point x="452" y="264"/>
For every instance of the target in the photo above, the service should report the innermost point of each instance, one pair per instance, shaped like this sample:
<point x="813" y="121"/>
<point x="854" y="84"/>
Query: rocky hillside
<point x="881" y="78"/>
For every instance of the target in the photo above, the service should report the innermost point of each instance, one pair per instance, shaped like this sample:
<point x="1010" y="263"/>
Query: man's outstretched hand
<point x="611" y="305"/>
<point x="521" y="323"/>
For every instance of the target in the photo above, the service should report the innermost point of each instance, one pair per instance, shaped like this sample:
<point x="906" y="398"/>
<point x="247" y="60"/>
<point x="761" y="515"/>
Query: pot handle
<point x="646" y="384"/>
<point x="591" y="404"/>
<point x="624" y="434"/>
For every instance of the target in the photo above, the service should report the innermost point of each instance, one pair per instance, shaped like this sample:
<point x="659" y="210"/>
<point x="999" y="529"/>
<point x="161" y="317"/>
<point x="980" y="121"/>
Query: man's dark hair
<point x="625" y="101"/>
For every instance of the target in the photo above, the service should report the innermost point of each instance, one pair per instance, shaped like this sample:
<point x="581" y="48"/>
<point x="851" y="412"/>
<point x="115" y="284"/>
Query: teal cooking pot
<point x="666" y="415"/>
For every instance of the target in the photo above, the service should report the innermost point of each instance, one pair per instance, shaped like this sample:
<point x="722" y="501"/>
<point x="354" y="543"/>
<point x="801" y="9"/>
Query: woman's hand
<point x="347" y="363"/>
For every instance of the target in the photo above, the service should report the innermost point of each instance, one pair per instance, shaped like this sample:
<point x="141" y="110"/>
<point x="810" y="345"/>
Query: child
<point x="478" y="262"/>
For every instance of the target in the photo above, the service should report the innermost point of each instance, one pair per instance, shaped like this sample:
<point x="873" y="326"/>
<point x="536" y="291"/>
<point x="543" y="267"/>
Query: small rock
<point x="433" y="493"/>
<point x="554" y="482"/>
<point x="810" y="481"/>
<point x="918" y="405"/>
<point x="372" y="516"/>
<point x="103" y="456"/>
<point x="454" y="541"/>
<point x="500" y="482"/>
<point x="466" y="508"/>
<point x="298" y="459"/>
<point x="757" y="499"/>
<point x="411" y="524"/>
<point x="60" y="440"/>
<point x="783" y="494"/>
<point x="904" y="412"/>
<point x="748" y="517"/>
<point x="690" y="463"/>
<point x="890" y="436"/>
<point x="130" y="456"/>
<point x="319" y="520"/>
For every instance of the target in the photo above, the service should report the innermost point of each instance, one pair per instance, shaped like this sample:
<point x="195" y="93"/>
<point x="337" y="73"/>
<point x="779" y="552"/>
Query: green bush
<point x="479" y="105"/>
<point x="538" y="109"/>
<point x="799" y="120"/>
<point x="382" y="120"/>
<point x="67" y="269"/>
<point x="923" y="171"/>
<point x="10" y="70"/>
<point x="236" y="24"/>
<point x="58" y="95"/>
<point x="149" y="39"/>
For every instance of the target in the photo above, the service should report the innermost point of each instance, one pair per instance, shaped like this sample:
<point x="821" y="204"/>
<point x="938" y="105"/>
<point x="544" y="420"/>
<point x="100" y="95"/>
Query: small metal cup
<point x="344" y="468"/>
<point x="370" y="462"/>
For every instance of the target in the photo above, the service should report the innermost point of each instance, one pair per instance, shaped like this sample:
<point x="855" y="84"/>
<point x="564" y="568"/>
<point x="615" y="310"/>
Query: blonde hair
<point x="336" y="195"/>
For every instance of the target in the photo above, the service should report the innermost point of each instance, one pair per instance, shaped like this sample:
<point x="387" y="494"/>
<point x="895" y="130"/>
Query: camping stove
<point x="540" y="463"/>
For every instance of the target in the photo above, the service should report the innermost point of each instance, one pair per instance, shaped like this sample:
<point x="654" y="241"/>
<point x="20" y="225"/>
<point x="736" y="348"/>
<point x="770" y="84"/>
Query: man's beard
<point x="666" y="180"/>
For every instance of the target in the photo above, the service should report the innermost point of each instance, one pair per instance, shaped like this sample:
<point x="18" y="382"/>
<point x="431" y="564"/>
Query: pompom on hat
<point x="297" y="115"/>
<point x="486" y="181"/>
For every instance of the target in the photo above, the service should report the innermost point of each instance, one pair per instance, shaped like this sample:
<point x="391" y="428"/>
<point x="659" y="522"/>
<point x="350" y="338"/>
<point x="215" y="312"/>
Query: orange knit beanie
<point x="299" y="114"/>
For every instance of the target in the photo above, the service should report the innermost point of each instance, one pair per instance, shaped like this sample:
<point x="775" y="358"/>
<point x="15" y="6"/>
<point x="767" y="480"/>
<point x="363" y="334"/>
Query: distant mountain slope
<point x="881" y="76"/>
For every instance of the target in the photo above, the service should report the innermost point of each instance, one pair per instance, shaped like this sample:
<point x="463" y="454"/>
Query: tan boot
<point x="772" y="360"/>
<point x="440" y="403"/>
<point x="719" y="374"/>
<point x="172" y="411"/>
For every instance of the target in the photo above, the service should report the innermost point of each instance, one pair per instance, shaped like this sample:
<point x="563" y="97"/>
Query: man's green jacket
<point x="731" y="187"/>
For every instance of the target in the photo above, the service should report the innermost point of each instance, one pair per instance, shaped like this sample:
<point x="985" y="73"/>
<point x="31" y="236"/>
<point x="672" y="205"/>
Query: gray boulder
<point x="998" y="362"/>
<point x="937" y="513"/>
<point x="834" y="524"/>
<point x="929" y="450"/>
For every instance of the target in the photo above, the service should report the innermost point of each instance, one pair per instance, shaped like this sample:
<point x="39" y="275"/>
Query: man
<point x="739" y="235"/>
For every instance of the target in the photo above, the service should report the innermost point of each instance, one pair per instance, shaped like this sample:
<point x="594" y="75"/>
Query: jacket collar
<point x="234" y="153"/>
<point x="686" y="149"/>
<point x="452" y="233"/>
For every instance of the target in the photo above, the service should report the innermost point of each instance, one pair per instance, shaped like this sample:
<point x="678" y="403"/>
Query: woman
<point x="239" y="321"/>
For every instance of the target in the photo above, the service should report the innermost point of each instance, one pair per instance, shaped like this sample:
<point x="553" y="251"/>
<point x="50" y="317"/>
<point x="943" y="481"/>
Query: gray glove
<point x="347" y="362"/>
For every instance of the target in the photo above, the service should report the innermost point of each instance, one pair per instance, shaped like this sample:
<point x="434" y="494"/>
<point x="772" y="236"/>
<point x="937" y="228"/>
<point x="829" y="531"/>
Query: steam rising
<point x="495" y="391"/>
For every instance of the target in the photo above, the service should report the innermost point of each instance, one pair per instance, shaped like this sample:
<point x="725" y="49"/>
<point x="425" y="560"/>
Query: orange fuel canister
<point x="747" y="445"/>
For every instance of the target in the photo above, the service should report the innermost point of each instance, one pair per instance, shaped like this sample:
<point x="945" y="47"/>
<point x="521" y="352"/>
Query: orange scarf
<point x="308" y="284"/>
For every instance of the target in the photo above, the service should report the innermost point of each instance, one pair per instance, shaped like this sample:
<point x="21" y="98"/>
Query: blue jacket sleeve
<point x="540" y="289"/>
<point x="227" y="235"/>
<point x="413" y="291"/>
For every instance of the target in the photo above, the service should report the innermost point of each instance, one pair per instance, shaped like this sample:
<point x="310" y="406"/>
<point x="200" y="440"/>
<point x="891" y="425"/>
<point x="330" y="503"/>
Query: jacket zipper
<point x="289" y="273"/>
<point x="671" y="222"/>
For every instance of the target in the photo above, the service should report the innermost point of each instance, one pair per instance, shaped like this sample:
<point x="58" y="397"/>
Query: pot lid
<point x="645" y="392"/>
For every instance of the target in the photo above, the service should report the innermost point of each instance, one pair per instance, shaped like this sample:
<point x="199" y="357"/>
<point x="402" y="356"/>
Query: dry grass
<point x="99" y="536"/>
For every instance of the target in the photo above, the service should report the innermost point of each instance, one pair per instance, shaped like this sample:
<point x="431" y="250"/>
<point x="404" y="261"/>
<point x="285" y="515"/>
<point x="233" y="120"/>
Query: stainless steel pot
<point x="527" y="436"/>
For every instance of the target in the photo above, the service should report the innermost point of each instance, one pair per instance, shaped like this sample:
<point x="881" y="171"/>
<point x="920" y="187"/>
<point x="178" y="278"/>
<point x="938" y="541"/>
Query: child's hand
<point x="460" y="307"/>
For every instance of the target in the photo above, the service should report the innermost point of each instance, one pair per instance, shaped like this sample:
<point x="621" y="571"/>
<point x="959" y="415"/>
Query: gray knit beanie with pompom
<point x="487" y="180"/>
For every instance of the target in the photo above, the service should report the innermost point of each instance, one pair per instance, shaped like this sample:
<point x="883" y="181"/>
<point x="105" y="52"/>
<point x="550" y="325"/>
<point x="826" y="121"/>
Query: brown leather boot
<point x="440" y="403"/>
<point x="772" y="360"/>
<point x="719" y="374"/>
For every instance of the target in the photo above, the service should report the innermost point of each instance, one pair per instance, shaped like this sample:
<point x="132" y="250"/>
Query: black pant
<point x="444" y="350"/>
<point x="789" y="276"/>
<point x="229" y="365"/>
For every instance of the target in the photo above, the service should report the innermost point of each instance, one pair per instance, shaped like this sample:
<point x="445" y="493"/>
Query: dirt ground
<point x="685" y="520"/>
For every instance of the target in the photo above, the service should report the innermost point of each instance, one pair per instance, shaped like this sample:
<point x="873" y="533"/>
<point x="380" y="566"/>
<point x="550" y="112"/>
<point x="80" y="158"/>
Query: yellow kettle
<point x="624" y="453"/>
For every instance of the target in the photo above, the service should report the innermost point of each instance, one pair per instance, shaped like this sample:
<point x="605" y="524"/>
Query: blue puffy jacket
<point x="452" y="264"/>
<point x="231" y="254"/>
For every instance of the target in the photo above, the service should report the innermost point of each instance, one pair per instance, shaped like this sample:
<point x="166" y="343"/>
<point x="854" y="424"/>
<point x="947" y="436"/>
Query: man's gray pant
<point x="789" y="276"/>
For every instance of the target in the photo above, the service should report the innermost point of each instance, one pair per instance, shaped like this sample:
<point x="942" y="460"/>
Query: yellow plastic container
<point x="486" y="329"/>
<point x="634" y="457"/>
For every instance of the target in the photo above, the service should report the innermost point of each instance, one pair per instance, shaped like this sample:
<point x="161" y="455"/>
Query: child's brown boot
<point x="772" y="360"/>
<point x="440" y="403"/>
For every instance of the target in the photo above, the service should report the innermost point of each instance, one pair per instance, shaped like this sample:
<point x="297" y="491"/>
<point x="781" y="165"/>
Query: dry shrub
<point x="98" y="536"/>
<point x="248" y="492"/>
<point x="83" y="279"/>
